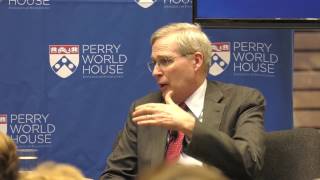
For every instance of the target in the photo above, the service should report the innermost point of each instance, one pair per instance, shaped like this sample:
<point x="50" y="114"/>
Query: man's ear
<point x="198" y="61"/>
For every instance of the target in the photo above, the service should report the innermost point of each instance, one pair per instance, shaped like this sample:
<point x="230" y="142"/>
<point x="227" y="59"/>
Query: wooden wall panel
<point x="306" y="79"/>
<point x="307" y="118"/>
<point x="305" y="61"/>
<point x="306" y="100"/>
<point x="307" y="41"/>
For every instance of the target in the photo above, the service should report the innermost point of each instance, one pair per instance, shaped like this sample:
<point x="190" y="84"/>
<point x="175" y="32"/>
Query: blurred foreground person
<point x="183" y="172"/>
<point x="53" y="171"/>
<point x="9" y="161"/>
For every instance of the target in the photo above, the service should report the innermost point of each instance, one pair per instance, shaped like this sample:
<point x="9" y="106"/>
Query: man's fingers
<point x="148" y="105"/>
<point x="149" y="108"/>
<point x="147" y="118"/>
<point x="162" y="122"/>
<point x="142" y="118"/>
<point x="141" y="112"/>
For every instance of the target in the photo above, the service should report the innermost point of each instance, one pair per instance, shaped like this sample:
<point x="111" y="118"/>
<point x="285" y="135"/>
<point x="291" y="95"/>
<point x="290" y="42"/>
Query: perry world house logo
<point x="64" y="59"/>
<point x="3" y="123"/>
<point x="28" y="4"/>
<point x="220" y="57"/>
<point x="145" y="3"/>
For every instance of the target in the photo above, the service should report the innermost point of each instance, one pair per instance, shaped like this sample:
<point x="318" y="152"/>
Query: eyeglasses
<point x="162" y="62"/>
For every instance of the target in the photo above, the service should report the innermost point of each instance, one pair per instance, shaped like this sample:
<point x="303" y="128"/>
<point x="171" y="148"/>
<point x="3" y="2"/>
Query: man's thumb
<point x="168" y="98"/>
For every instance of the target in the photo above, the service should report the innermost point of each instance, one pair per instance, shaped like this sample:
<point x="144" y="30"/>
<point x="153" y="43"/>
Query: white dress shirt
<point x="195" y="103"/>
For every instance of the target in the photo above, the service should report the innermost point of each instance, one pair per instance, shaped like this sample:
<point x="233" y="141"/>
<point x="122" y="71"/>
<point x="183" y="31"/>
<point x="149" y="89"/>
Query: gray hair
<point x="189" y="37"/>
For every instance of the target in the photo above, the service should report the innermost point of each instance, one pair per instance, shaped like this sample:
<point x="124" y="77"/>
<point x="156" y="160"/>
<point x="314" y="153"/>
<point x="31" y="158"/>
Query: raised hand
<point x="168" y="115"/>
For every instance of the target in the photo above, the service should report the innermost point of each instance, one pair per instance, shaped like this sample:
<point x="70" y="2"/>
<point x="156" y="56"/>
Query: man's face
<point x="172" y="71"/>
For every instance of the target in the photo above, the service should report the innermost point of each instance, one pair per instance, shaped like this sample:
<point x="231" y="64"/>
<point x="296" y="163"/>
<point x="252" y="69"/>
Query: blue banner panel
<point x="251" y="9"/>
<point x="260" y="59"/>
<point x="70" y="69"/>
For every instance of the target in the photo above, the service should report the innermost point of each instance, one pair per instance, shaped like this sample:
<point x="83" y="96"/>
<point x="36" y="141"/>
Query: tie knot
<point x="184" y="106"/>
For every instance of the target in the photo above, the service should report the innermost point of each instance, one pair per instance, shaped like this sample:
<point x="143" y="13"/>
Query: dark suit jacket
<point x="229" y="138"/>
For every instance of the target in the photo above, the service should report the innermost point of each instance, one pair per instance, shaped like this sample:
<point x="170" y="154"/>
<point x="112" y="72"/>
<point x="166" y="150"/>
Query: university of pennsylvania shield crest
<point x="64" y="59"/>
<point x="220" y="57"/>
<point x="145" y="3"/>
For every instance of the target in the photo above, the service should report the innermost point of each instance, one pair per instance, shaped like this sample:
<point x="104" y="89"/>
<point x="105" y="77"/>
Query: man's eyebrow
<point x="160" y="56"/>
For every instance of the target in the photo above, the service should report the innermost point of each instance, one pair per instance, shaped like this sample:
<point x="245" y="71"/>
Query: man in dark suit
<point x="191" y="120"/>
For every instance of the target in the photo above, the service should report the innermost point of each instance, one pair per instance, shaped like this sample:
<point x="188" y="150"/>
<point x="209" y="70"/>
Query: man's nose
<point x="156" y="71"/>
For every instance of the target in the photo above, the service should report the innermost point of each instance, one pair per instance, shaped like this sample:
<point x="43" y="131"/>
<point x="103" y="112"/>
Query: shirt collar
<point x="196" y="100"/>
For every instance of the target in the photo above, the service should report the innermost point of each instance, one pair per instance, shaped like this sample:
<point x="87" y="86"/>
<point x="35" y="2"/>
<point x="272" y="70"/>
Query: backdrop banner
<point x="70" y="69"/>
<point x="261" y="59"/>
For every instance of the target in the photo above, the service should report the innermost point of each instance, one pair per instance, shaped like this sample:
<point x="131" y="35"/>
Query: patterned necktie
<point x="175" y="142"/>
<point x="174" y="146"/>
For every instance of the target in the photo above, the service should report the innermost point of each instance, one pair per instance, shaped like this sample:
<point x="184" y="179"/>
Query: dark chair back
<point x="292" y="155"/>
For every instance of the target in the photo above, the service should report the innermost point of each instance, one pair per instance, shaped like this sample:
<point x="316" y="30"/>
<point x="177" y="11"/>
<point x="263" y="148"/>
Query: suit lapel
<point x="158" y="136"/>
<point x="213" y="108"/>
<point x="159" y="140"/>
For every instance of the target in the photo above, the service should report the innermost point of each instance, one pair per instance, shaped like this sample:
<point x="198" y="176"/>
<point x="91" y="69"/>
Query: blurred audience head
<point x="9" y="161"/>
<point x="183" y="172"/>
<point x="53" y="171"/>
